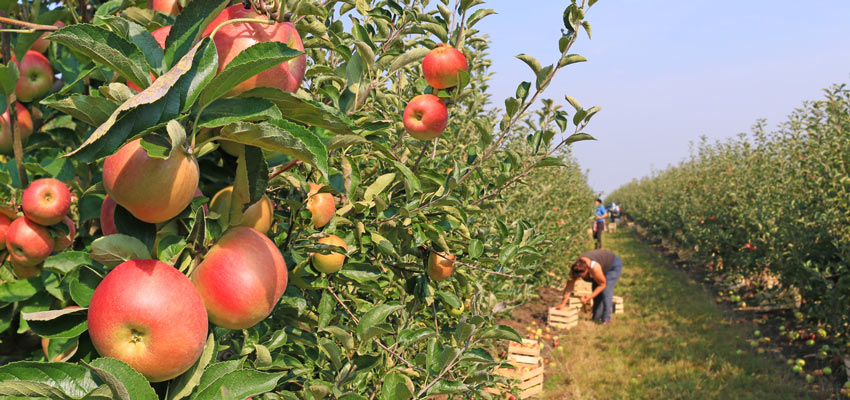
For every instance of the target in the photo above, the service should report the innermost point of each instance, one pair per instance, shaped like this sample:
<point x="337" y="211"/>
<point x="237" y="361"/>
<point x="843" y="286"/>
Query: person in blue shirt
<point x="599" y="222"/>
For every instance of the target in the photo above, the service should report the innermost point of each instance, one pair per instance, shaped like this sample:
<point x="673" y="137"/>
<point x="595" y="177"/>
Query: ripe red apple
<point x="152" y="189"/>
<point x="425" y="117"/>
<point x="25" y="271"/>
<point x="36" y="77"/>
<point x="159" y="35"/>
<point x="167" y="6"/>
<point x="25" y="127"/>
<point x="241" y="278"/>
<point x="64" y="242"/>
<point x="441" y="66"/>
<point x="41" y="44"/>
<point x="330" y="263"/>
<point x="28" y="243"/>
<point x="258" y="215"/>
<point x="46" y="201"/>
<point x="321" y="205"/>
<point x="107" y="216"/>
<point x="4" y="227"/>
<point x="231" y="39"/>
<point x="67" y="354"/>
<point x="440" y="266"/>
<point x="148" y="315"/>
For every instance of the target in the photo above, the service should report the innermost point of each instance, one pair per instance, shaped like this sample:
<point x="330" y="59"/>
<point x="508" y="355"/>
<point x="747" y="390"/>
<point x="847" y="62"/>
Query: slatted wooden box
<point x="612" y="227"/>
<point x="618" y="305"/>
<point x="582" y="287"/>
<point x="564" y="319"/>
<point x="529" y="377"/>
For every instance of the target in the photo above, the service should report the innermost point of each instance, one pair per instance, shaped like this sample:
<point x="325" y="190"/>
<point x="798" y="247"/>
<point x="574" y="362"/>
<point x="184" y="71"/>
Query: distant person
<point x="615" y="212"/>
<point x="599" y="222"/>
<point x="602" y="268"/>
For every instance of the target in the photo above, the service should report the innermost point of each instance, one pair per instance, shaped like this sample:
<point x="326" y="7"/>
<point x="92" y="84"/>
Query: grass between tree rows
<point x="673" y="342"/>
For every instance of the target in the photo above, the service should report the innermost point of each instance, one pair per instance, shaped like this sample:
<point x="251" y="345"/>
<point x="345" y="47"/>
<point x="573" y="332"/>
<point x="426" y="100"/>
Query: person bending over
<point x="602" y="268"/>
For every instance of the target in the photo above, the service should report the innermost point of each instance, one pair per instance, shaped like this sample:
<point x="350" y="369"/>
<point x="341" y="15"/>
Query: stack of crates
<point x="527" y="371"/>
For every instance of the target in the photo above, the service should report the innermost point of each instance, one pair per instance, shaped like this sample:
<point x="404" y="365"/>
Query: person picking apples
<point x="602" y="268"/>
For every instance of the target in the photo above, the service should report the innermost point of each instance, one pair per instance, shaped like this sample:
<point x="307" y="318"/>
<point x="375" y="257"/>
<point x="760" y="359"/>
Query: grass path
<point x="672" y="343"/>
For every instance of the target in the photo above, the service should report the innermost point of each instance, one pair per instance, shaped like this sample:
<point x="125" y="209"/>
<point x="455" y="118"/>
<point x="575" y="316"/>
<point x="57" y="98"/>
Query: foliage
<point x="765" y="204"/>
<point x="379" y="326"/>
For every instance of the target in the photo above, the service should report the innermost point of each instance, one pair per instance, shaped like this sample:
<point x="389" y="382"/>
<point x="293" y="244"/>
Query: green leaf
<point x="217" y="370"/>
<point x="408" y="57"/>
<point x="366" y="53"/>
<point x="478" y="15"/>
<point x="501" y="332"/>
<point x="326" y="310"/>
<point x="125" y="382"/>
<point x="107" y="48"/>
<point x="81" y="285"/>
<point x="139" y="36"/>
<point x="204" y="69"/>
<point x="188" y="27"/>
<point x="531" y="62"/>
<point x="586" y="25"/>
<point x="60" y="324"/>
<point x="573" y="102"/>
<point x="376" y="315"/>
<point x="412" y="335"/>
<point x="52" y="380"/>
<point x="511" y="106"/>
<point x="591" y="112"/>
<point x="227" y="111"/>
<point x="89" y="109"/>
<point x="383" y="244"/>
<point x="183" y="385"/>
<point x="550" y="162"/>
<point x="240" y="384"/>
<point x="8" y="78"/>
<point x="66" y="261"/>
<point x="248" y="63"/>
<point x="114" y="249"/>
<point x="283" y="137"/>
<point x="378" y="186"/>
<point x="307" y="112"/>
<point x="151" y="109"/>
<point x="476" y="248"/>
<point x="437" y="29"/>
<point x="522" y="90"/>
<point x="577" y="137"/>
<point x="449" y="298"/>
<point x="396" y="387"/>
<point x="20" y="289"/>
<point x="411" y="182"/>
<point x="448" y="387"/>
<point x="571" y="59"/>
<point x="341" y="141"/>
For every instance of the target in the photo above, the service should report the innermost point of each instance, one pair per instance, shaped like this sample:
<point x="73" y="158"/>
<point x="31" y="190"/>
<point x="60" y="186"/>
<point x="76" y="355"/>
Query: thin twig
<point x="448" y="367"/>
<point x="357" y="320"/>
<point x="28" y="25"/>
<point x="11" y="106"/>
<point x="284" y="168"/>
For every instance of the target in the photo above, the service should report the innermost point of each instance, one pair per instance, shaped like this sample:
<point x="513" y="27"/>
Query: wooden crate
<point x="529" y="377"/>
<point x="582" y="287"/>
<point x="527" y="353"/>
<point x="564" y="319"/>
<point x="618" y="305"/>
<point x="612" y="227"/>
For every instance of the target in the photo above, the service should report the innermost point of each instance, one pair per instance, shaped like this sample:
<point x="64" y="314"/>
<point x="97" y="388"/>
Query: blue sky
<point x="667" y="72"/>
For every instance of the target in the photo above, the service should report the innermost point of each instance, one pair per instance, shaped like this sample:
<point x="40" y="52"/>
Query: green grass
<point x="672" y="343"/>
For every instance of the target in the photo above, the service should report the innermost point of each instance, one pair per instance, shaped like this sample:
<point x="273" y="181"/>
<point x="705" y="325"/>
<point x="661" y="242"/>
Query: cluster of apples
<point x="425" y="116"/>
<point x="28" y="239"/>
<point x="34" y="82"/>
<point x="543" y="334"/>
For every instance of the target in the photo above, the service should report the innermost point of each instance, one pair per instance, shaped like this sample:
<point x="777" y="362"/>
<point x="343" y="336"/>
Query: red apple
<point x="231" y="39"/>
<point x="159" y="35"/>
<point x="425" y="117"/>
<point x="259" y="215"/>
<point x="4" y="227"/>
<point x="41" y="44"/>
<point x="46" y="201"/>
<point x="241" y="278"/>
<point x="25" y="271"/>
<point x="64" y="242"/>
<point x="167" y="6"/>
<point x="152" y="189"/>
<point x="440" y="266"/>
<point x="321" y="205"/>
<point x="28" y="243"/>
<point x="441" y="66"/>
<point x="148" y="315"/>
<point x="107" y="216"/>
<point x="67" y="354"/>
<point x="36" y="77"/>
<point x="25" y="127"/>
<point x="330" y="263"/>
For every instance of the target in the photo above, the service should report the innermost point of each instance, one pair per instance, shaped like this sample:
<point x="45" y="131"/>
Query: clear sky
<point x="667" y="72"/>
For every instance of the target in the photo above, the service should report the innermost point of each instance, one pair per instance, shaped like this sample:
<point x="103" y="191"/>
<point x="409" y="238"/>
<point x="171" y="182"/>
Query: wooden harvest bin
<point x="528" y="347"/>
<point x="529" y="377"/>
<point x="618" y="305"/>
<point x="563" y="319"/>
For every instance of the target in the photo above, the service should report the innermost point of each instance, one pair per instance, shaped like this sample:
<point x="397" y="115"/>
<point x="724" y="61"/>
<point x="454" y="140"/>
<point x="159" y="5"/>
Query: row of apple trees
<point x="771" y="203"/>
<point x="498" y="189"/>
